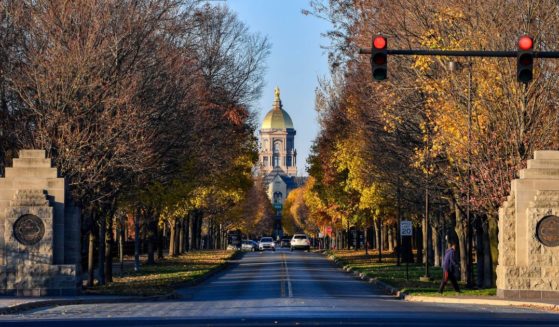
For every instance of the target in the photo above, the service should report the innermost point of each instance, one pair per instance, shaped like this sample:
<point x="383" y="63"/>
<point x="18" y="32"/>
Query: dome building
<point x="277" y="138"/>
<point x="278" y="158"/>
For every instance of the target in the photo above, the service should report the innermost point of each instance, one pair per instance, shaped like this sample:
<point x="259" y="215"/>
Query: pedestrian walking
<point x="450" y="268"/>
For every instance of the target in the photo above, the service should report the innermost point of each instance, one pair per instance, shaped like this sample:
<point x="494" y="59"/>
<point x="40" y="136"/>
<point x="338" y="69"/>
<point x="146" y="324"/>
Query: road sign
<point x="406" y="228"/>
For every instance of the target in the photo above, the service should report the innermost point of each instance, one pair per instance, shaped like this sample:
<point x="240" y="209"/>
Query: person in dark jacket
<point x="450" y="268"/>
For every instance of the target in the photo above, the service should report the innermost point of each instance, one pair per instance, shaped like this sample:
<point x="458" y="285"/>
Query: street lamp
<point x="456" y="66"/>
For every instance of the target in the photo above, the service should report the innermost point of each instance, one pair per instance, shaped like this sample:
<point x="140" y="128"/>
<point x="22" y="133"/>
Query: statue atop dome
<point x="277" y="93"/>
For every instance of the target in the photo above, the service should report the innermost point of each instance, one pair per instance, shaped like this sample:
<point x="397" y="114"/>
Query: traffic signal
<point x="379" y="58"/>
<point x="525" y="59"/>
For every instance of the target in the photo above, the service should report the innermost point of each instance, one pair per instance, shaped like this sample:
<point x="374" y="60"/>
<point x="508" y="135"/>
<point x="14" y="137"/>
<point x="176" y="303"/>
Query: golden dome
<point x="277" y="118"/>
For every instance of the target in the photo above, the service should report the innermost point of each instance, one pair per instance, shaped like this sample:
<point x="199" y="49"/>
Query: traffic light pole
<point x="525" y="56"/>
<point x="465" y="53"/>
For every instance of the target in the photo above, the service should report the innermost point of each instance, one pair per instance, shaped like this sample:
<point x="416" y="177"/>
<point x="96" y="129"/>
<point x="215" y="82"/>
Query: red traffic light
<point x="525" y="43"/>
<point x="379" y="42"/>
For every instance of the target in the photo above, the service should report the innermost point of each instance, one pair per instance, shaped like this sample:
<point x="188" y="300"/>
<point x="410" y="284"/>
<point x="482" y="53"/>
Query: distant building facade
<point x="278" y="157"/>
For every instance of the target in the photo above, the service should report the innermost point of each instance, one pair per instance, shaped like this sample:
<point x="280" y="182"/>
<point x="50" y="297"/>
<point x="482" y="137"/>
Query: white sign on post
<point x="406" y="228"/>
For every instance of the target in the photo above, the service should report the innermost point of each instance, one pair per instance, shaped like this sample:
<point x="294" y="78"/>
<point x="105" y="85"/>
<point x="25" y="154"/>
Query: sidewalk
<point x="551" y="305"/>
<point x="12" y="305"/>
<point x="548" y="305"/>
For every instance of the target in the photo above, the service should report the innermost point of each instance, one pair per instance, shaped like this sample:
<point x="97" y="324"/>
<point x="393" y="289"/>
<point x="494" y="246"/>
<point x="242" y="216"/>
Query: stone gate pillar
<point x="39" y="230"/>
<point x="529" y="232"/>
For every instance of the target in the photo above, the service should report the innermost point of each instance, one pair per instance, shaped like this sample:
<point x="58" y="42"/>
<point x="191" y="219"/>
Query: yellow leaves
<point x="390" y="120"/>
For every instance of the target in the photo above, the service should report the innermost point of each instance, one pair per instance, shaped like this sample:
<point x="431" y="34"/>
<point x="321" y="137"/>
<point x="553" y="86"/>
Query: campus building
<point x="278" y="157"/>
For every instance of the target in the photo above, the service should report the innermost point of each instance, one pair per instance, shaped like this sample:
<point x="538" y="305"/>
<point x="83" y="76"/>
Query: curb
<point x="387" y="288"/>
<point x="19" y="308"/>
<point x="478" y="301"/>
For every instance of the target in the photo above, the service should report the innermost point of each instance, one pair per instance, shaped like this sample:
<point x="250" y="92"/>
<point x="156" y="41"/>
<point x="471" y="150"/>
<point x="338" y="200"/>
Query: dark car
<point x="285" y="243"/>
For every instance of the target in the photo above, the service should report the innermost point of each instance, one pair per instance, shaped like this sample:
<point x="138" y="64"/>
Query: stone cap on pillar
<point x="546" y="155"/>
<point x="32" y="154"/>
<point x="545" y="165"/>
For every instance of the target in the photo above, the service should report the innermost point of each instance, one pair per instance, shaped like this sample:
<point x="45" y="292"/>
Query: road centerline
<point x="287" y="279"/>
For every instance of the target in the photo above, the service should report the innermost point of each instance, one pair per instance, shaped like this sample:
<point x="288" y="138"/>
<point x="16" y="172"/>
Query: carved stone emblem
<point x="547" y="231"/>
<point x="29" y="229"/>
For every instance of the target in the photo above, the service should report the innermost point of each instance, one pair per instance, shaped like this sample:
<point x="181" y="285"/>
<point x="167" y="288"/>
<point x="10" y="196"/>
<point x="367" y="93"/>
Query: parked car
<point x="232" y="247"/>
<point x="249" y="245"/>
<point x="300" y="241"/>
<point x="266" y="243"/>
<point x="285" y="243"/>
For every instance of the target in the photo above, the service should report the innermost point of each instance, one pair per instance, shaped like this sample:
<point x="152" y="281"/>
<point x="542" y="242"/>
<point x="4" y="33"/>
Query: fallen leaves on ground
<point x="165" y="275"/>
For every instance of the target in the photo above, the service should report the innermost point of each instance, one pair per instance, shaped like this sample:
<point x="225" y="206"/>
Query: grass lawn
<point x="164" y="276"/>
<point x="388" y="272"/>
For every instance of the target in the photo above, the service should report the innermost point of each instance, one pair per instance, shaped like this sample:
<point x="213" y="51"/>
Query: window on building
<point x="277" y="146"/>
<point x="276" y="160"/>
<point x="265" y="161"/>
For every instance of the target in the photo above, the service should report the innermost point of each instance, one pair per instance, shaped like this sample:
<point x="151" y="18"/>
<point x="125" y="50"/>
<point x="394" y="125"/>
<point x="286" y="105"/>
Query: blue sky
<point x="295" y="62"/>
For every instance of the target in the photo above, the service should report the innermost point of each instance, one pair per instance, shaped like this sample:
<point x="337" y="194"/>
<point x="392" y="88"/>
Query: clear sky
<point x="294" y="65"/>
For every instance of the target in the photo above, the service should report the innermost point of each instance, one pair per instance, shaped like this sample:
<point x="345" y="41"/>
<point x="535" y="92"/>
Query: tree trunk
<point x="379" y="239"/>
<point x="221" y="238"/>
<point x="101" y="253"/>
<point x="177" y="232"/>
<point x="419" y="244"/>
<point x="366" y="232"/>
<point x="436" y="248"/>
<point x="425" y="237"/>
<point x="348" y="236"/>
<point x="152" y="237"/>
<point x="199" y="231"/>
<point x="493" y="235"/>
<point x="187" y="233"/>
<point x="160" y="242"/>
<point x="390" y="238"/>
<point x="108" y="249"/>
<point x="479" y="253"/>
<point x="90" y="258"/>
<point x="137" y="240"/>
<point x="121" y="245"/>
<point x="460" y="229"/>
<point x="209" y="236"/>
<point x="181" y="236"/>
<point x="192" y="232"/>
<point x="172" y="235"/>
<point x="487" y="262"/>
<point x="385" y="237"/>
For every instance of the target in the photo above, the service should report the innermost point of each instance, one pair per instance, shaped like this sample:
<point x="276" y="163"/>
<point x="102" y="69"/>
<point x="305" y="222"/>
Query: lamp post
<point x="455" y="66"/>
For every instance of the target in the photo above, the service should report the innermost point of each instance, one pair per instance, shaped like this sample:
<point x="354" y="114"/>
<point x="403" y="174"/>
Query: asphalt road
<point x="281" y="288"/>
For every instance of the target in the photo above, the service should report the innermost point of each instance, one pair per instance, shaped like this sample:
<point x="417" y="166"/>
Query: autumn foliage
<point x="383" y="144"/>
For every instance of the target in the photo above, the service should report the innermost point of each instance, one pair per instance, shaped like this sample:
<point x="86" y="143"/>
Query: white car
<point x="300" y="241"/>
<point x="266" y="243"/>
